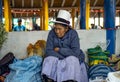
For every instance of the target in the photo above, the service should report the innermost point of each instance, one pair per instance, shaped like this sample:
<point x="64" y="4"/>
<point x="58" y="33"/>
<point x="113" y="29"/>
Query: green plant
<point x="3" y="34"/>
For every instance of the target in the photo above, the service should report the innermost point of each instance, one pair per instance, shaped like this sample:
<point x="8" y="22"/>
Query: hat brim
<point x="61" y="23"/>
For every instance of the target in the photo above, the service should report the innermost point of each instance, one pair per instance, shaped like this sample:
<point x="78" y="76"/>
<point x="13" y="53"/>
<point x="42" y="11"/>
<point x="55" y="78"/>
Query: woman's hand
<point x="56" y="49"/>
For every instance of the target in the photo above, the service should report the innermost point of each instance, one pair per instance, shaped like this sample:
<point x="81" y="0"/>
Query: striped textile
<point x="99" y="70"/>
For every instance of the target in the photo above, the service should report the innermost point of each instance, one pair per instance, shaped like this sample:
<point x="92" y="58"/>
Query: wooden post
<point x="45" y="12"/>
<point x="87" y="14"/>
<point x="7" y="15"/>
<point x="73" y="17"/>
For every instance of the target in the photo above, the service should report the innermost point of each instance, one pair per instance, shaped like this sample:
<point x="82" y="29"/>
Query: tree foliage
<point x="3" y="34"/>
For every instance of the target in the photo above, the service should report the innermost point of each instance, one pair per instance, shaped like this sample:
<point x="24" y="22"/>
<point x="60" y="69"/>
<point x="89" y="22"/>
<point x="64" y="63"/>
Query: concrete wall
<point x="17" y="42"/>
<point x="118" y="42"/>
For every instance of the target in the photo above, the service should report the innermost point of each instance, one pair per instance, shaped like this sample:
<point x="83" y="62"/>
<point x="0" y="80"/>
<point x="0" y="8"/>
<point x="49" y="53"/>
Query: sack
<point x="5" y="61"/>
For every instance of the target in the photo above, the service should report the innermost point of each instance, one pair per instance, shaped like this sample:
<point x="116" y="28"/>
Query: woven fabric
<point x="63" y="70"/>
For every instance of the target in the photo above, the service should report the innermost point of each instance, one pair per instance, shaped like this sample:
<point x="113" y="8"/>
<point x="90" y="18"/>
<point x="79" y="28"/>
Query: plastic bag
<point x="27" y="70"/>
<point x="113" y="76"/>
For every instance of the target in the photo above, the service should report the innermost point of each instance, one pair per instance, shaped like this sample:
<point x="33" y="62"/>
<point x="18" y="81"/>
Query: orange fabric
<point x="2" y="79"/>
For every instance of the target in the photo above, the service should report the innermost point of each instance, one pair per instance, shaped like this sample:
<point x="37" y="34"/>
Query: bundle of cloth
<point x="114" y="61"/>
<point x="97" y="56"/>
<point x="26" y="70"/>
<point x="37" y="49"/>
<point x="99" y="70"/>
<point x="113" y="76"/>
<point x="4" y="65"/>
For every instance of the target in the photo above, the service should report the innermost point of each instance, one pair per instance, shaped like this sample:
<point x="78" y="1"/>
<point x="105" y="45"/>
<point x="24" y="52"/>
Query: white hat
<point x="63" y="17"/>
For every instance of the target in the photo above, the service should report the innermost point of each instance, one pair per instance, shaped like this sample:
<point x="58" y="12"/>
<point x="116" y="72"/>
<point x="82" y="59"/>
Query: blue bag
<point x="27" y="70"/>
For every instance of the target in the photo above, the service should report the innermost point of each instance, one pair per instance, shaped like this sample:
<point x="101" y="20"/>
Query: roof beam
<point x="21" y="14"/>
<point x="32" y="1"/>
<point x="101" y="7"/>
<point x="23" y="3"/>
<point x="41" y="8"/>
<point x="117" y="2"/>
<point x="41" y="3"/>
<point x="15" y="14"/>
<point x="13" y="3"/>
<point x="52" y="2"/>
<point x="96" y="7"/>
<point x="95" y="2"/>
<point x="74" y="2"/>
<point x="27" y="14"/>
<point x="63" y="3"/>
<point x="95" y="14"/>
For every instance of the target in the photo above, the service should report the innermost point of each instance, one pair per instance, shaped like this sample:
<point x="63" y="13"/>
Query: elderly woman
<point x="64" y="59"/>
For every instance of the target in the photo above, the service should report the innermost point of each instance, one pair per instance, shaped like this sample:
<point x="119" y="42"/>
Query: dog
<point x="37" y="49"/>
<point x="30" y="50"/>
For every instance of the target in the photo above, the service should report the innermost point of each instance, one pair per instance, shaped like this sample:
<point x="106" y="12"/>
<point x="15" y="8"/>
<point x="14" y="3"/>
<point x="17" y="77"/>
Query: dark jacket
<point x="69" y="45"/>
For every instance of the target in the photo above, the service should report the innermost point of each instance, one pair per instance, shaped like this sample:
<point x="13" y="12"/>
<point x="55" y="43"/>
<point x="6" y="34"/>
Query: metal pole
<point x="83" y="14"/>
<point x="109" y="23"/>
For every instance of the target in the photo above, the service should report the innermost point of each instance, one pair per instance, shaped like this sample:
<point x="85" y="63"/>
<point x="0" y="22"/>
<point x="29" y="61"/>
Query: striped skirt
<point x="63" y="70"/>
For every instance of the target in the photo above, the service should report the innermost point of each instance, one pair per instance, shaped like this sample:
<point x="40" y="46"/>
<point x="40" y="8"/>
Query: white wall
<point x="91" y="38"/>
<point x="17" y="42"/>
<point x="118" y="42"/>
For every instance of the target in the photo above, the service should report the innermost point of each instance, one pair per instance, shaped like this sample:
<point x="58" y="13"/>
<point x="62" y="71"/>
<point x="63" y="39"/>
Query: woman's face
<point x="60" y="30"/>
